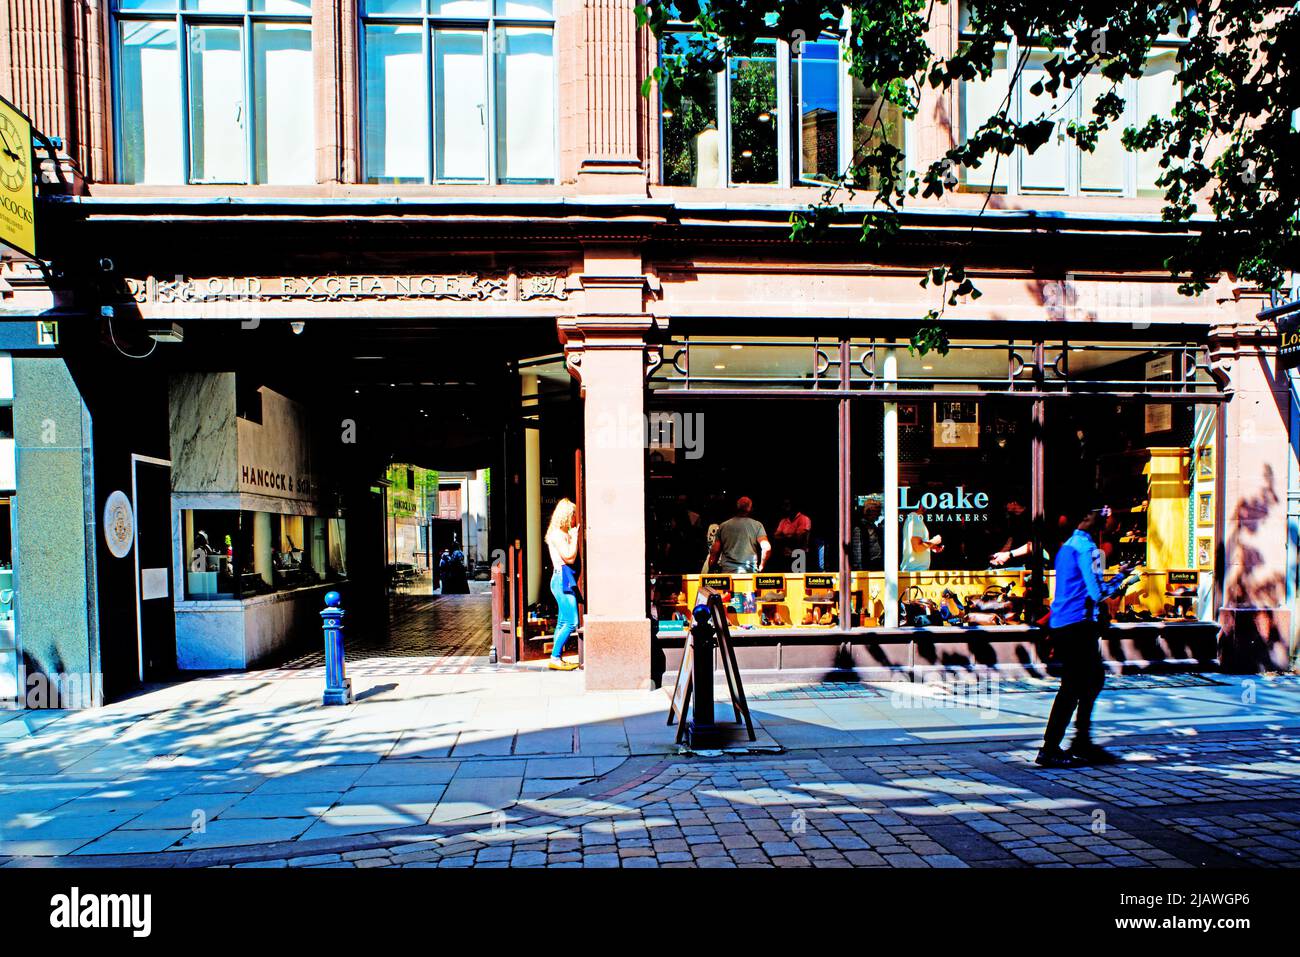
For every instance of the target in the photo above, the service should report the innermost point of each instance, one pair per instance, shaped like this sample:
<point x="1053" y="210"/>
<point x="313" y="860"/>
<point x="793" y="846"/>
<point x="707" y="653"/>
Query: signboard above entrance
<point x="17" y="182"/>
<point x="511" y="286"/>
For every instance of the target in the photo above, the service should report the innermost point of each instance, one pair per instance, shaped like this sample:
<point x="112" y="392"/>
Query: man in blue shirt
<point x="1076" y="641"/>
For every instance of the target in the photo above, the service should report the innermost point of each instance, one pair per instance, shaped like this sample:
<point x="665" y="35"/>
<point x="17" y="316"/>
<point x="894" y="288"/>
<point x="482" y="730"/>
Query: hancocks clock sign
<point x="17" y="185"/>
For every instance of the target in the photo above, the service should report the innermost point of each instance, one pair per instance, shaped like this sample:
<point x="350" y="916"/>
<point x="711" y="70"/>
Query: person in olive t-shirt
<point x="741" y="544"/>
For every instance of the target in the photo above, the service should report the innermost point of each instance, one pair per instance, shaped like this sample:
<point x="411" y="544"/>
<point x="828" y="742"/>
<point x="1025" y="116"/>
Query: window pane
<point x="460" y="104"/>
<point x="146" y="4"/>
<point x="695" y="488"/>
<point x="218" y="143"/>
<point x="1103" y="168"/>
<point x="752" y="89"/>
<point x="525" y="105"/>
<point x="301" y="7"/>
<point x="1143" y="461"/>
<point x="1157" y="92"/>
<point x="458" y="8"/>
<point x="210" y="556"/>
<point x="217" y="6"/>
<point x="875" y="120"/>
<point x="980" y="100"/>
<point x="282" y="74"/>
<point x="1045" y="167"/>
<point x="150" y="104"/>
<point x="819" y="111"/>
<point x="403" y="7"/>
<point x="526" y="9"/>
<point x="397" y="132"/>
<point x="964" y="478"/>
<point x="690" y="142"/>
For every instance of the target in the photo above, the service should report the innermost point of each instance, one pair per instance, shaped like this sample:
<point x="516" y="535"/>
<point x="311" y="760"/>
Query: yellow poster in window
<point x="17" y="186"/>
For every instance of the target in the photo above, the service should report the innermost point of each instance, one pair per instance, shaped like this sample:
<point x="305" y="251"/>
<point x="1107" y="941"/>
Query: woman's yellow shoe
<point x="557" y="664"/>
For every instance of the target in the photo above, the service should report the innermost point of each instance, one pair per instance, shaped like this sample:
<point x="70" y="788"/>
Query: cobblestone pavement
<point x="218" y="770"/>
<point x="1232" y="800"/>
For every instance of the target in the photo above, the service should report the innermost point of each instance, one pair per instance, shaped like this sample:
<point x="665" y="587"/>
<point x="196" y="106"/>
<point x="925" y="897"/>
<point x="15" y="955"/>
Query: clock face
<point x="15" y="165"/>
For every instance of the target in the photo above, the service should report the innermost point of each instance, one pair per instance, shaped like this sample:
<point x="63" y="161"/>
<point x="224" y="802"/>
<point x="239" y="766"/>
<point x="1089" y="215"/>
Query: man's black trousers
<point x="1078" y="649"/>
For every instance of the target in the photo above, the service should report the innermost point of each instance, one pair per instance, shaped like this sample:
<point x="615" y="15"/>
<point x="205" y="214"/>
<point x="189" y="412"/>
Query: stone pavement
<point x="519" y="767"/>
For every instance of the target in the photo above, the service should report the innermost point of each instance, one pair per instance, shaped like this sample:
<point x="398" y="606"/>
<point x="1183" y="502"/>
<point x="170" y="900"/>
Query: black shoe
<point x="1056" y="758"/>
<point x="1089" y="753"/>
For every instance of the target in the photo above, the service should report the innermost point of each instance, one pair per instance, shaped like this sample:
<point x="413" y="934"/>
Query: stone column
<point x="612" y="66"/>
<point x="606" y="352"/>
<point x="54" y="529"/>
<point x="334" y="63"/>
<point x="1257" y="630"/>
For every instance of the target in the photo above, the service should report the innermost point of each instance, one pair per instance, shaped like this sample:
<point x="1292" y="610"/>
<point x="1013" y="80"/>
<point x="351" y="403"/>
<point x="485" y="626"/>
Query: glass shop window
<point x="1153" y="464"/>
<point x="212" y="551"/>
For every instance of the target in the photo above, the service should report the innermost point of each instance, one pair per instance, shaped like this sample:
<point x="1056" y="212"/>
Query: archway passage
<point x="348" y="455"/>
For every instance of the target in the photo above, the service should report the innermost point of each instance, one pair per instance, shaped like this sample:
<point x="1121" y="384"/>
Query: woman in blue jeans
<point x="562" y="540"/>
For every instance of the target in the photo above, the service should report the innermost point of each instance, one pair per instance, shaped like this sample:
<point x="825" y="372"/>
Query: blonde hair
<point x="563" y="516"/>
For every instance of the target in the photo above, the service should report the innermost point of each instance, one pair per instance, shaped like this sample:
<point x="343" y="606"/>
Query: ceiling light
<point x="668" y="114"/>
<point x="297" y="327"/>
<point x="746" y="153"/>
<point x="737" y="347"/>
<point x="719" y="366"/>
<point x="765" y="117"/>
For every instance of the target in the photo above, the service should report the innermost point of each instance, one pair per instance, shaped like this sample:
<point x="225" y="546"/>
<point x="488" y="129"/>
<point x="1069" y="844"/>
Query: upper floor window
<point x="1059" y="166"/>
<point x="785" y="114"/>
<point x="213" y="91"/>
<point x="459" y="91"/>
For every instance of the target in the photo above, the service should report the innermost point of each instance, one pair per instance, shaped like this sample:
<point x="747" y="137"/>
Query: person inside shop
<point x="686" y="536"/>
<point x="199" y="556"/>
<point x="741" y="544"/>
<point x="918" y="543"/>
<point x="1017" y="542"/>
<point x="792" y="535"/>
<point x="1076" y="632"/>
<point x="868" y="542"/>
<point x="562" y="543"/>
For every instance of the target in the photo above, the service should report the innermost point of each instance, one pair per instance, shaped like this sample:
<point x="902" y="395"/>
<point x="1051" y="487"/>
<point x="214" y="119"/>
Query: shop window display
<point x="775" y="526"/>
<point x="964" y="499"/>
<point x="985" y="437"/>
<point x="211" y="558"/>
<point x="1156" y="471"/>
<point x="232" y="554"/>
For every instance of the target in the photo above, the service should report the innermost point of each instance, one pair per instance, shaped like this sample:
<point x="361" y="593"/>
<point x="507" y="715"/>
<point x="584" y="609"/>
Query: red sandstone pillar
<point x="605" y="347"/>
<point x="612" y="65"/>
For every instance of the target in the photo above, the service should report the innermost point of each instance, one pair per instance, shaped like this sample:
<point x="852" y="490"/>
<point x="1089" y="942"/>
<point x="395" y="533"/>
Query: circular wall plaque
<point x="119" y="524"/>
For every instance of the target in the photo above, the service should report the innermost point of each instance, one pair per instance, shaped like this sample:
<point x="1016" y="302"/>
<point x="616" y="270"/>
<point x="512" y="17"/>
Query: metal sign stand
<point x="702" y="731"/>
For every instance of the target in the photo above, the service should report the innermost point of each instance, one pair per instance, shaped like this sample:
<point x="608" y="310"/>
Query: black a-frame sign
<point x="680" y="702"/>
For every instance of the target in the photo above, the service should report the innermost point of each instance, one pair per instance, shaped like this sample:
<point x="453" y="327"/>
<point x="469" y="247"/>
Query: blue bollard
<point x="338" y="687"/>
